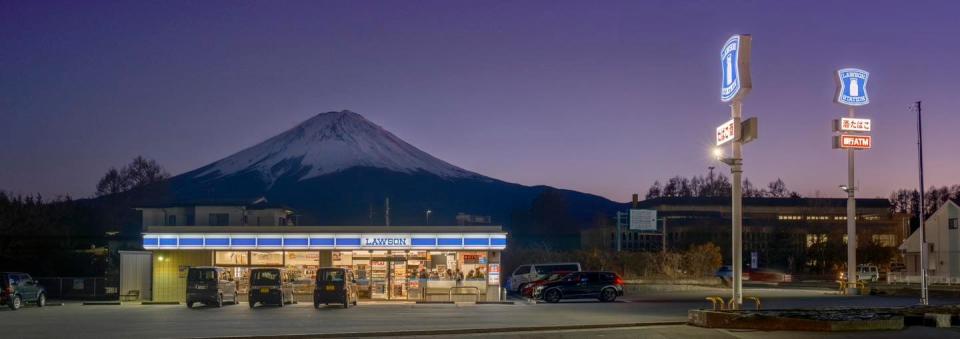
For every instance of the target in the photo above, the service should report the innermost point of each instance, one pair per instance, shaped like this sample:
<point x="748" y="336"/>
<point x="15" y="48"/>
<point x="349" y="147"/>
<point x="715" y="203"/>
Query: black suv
<point x="605" y="286"/>
<point x="18" y="288"/>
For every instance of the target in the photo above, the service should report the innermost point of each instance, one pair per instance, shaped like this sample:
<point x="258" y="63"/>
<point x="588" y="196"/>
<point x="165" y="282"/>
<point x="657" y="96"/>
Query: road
<point x="163" y="321"/>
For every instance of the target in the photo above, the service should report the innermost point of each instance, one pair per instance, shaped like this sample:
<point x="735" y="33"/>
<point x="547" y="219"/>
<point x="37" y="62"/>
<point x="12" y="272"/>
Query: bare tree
<point x="139" y="173"/>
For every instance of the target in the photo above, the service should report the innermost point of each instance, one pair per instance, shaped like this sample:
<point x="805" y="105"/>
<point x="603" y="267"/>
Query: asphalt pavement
<point x="73" y="320"/>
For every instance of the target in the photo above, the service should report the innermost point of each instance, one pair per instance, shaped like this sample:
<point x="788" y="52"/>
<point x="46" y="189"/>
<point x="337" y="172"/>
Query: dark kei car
<point x="19" y="288"/>
<point x="335" y="286"/>
<point x="270" y="286"/>
<point x="605" y="286"/>
<point x="210" y="286"/>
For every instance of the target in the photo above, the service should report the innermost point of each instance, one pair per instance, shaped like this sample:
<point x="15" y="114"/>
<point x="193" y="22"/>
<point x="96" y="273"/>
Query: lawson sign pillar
<point x="735" y="84"/>
<point x="851" y="92"/>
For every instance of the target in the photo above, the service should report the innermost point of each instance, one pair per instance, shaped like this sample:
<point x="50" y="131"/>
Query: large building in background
<point x="773" y="227"/>
<point x="433" y="263"/>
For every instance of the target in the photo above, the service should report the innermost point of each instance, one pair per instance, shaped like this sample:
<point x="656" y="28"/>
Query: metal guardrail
<point x="900" y="278"/>
<point x="476" y="292"/>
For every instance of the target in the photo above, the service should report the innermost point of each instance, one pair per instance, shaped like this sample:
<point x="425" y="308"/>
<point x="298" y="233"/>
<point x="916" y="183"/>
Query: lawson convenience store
<point x="391" y="263"/>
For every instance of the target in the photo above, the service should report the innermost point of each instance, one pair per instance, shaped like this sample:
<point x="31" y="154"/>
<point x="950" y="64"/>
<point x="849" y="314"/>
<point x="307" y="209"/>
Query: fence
<point x="900" y="278"/>
<point x="90" y="288"/>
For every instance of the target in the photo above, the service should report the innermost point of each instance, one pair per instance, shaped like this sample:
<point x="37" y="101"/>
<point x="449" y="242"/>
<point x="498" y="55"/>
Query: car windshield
<point x="202" y="275"/>
<point x="267" y="277"/>
<point x="330" y="275"/>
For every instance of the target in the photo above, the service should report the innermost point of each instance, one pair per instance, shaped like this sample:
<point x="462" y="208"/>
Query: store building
<point x="391" y="262"/>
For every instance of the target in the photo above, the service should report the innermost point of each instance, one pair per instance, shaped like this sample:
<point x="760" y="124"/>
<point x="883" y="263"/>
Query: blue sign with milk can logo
<point x="852" y="87"/>
<point x="735" y="68"/>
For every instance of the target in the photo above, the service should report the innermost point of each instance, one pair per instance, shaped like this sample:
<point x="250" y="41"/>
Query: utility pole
<point x="736" y="169"/>
<point x="619" y="229"/>
<point x="387" y="214"/>
<point x="924" y="257"/>
<point x="851" y="217"/>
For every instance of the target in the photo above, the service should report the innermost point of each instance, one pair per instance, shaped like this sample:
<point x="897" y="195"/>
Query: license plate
<point x="264" y="290"/>
<point x="330" y="287"/>
<point x="201" y="287"/>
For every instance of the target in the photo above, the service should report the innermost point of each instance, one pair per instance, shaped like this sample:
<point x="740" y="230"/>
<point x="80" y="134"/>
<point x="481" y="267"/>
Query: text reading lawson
<point x="385" y="242"/>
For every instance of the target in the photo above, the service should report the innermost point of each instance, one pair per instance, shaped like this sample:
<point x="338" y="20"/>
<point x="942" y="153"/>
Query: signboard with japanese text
<point x="851" y="125"/>
<point x="643" y="220"/>
<point x="852" y="87"/>
<point x="846" y="141"/>
<point x="726" y="132"/>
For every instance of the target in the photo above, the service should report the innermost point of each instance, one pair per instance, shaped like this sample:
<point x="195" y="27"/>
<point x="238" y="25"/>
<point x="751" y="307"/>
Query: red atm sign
<point x="852" y="141"/>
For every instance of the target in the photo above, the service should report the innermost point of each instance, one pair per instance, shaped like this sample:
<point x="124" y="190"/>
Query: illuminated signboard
<point x="852" y="87"/>
<point x="851" y="125"/>
<point x="735" y="66"/>
<point x="726" y="133"/>
<point x="845" y="141"/>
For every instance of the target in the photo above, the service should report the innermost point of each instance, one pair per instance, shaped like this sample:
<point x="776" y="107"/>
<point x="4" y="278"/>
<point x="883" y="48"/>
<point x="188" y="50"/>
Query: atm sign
<point x="852" y="141"/>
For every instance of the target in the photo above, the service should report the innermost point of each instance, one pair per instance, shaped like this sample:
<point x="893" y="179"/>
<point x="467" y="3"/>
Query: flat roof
<point x="323" y="229"/>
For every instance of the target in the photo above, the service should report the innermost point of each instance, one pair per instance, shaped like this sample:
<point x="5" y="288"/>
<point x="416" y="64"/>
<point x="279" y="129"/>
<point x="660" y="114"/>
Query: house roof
<point x="912" y="243"/>
<point x="258" y="204"/>
<point x="773" y="202"/>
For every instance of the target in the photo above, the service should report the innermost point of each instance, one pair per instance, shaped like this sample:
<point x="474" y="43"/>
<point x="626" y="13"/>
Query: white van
<point x="868" y="273"/>
<point x="526" y="274"/>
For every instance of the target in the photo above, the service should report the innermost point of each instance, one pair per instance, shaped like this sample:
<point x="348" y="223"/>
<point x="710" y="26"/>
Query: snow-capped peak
<point x="328" y="143"/>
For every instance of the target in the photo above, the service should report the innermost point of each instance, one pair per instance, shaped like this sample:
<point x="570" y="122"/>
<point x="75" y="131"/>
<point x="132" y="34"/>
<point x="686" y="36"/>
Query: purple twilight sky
<point x="602" y="97"/>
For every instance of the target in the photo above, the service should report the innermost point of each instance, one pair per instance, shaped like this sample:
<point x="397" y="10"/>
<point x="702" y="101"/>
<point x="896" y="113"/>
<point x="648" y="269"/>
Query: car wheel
<point x="15" y="302"/>
<point x="236" y="299"/>
<point x="252" y="303"/>
<point x="552" y="296"/>
<point x="355" y="297"/>
<point x="608" y="295"/>
<point x="219" y="300"/>
<point x="316" y="305"/>
<point x="42" y="300"/>
<point x="189" y="304"/>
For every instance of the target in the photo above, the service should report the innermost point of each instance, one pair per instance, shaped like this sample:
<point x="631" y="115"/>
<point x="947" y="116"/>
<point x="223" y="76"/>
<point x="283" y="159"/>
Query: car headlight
<point x="539" y="288"/>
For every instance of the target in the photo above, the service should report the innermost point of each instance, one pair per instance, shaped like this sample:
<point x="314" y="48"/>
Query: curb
<point x="160" y="303"/>
<point x="436" y="302"/>
<point x="464" y="331"/>
<point x="494" y="303"/>
<point x="99" y="303"/>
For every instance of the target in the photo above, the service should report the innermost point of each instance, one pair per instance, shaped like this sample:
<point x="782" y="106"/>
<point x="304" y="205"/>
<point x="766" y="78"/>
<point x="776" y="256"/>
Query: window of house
<point x="171" y="220"/>
<point x="953" y="223"/>
<point x="219" y="219"/>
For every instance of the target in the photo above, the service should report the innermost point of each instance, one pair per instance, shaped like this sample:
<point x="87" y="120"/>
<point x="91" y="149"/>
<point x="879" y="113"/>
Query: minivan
<point x="270" y="286"/>
<point x="868" y="272"/>
<point x="526" y="274"/>
<point x="335" y="285"/>
<point x="210" y="286"/>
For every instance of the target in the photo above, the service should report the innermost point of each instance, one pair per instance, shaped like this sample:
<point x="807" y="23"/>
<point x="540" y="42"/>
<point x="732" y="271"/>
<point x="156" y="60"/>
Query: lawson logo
<point x="385" y="241"/>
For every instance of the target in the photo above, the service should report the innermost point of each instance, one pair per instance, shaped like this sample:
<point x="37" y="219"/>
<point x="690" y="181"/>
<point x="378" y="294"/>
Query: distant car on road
<point x="868" y="272"/>
<point x="19" y="288"/>
<point x="525" y="274"/>
<point x="210" y="286"/>
<point x="725" y="273"/>
<point x="767" y="275"/>
<point x="335" y="285"/>
<point x="605" y="286"/>
<point x="270" y="286"/>
<point x="531" y="287"/>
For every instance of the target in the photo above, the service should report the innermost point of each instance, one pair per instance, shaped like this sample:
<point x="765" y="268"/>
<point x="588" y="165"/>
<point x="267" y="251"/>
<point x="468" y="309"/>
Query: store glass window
<point x="270" y="258"/>
<point x="232" y="258"/>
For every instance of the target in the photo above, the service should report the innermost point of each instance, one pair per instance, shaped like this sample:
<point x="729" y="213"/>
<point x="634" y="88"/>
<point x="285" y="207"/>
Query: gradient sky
<point x="602" y="97"/>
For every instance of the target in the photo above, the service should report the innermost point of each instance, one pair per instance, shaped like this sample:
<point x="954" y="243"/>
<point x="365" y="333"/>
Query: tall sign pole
<point x="735" y="84"/>
<point x="851" y="92"/>
<point x="924" y="296"/>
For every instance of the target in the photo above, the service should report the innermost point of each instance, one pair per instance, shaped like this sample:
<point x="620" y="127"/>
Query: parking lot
<point x="162" y="321"/>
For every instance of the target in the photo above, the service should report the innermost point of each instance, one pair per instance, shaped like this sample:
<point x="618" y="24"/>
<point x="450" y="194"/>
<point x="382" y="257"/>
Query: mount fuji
<point x="337" y="168"/>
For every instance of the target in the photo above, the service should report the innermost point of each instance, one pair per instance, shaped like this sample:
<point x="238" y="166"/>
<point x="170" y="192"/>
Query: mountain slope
<point x="337" y="168"/>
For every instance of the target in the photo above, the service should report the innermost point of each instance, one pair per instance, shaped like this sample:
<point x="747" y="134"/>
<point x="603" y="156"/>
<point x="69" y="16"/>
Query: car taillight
<point x="618" y="281"/>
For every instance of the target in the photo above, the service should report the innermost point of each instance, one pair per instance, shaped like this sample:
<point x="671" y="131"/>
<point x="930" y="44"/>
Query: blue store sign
<point x="852" y="87"/>
<point x="735" y="68"/>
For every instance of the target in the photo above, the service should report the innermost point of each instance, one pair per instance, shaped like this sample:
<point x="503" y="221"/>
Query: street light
<point x="427" y="216"/>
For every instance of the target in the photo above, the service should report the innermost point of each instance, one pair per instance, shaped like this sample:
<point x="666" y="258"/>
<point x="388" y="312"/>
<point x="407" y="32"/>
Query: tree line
<point x="908" y="201"/>
<point x="715" y="185"/>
